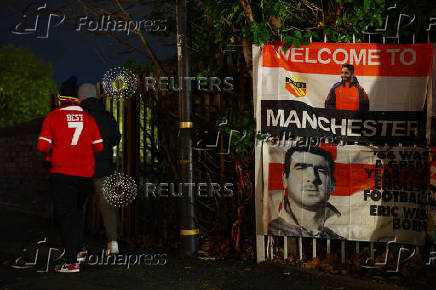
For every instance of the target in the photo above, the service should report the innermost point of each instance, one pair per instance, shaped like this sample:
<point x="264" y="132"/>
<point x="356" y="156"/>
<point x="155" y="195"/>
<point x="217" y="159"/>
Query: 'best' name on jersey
<point x="75" y="117"/>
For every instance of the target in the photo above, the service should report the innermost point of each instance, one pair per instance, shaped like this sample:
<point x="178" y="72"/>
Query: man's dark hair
<point x="350" y="67"/>
<point x="314" y="150"/>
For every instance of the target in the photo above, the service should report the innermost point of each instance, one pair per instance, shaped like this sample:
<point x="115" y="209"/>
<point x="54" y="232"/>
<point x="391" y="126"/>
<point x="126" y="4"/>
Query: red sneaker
<point x="81" y="256"/>
<point x="68" y="268"/>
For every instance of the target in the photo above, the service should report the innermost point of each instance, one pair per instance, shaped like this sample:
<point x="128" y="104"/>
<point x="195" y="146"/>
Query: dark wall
<point x="23" y="176"/>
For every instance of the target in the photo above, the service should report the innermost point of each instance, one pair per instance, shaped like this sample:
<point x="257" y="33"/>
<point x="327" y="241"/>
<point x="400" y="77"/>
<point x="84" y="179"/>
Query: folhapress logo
<point x="391" y="28"/>
<point x="37" y="19"/>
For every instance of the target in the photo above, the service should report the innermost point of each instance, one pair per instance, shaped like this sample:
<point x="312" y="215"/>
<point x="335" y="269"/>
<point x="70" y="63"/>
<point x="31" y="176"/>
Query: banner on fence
<point x="358" y="92"/>
<point x="346" y="192"/>
<point x="367" y="92"/>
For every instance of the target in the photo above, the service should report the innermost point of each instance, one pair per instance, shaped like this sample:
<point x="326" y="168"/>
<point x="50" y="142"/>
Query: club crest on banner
<point x="295" y="86"/>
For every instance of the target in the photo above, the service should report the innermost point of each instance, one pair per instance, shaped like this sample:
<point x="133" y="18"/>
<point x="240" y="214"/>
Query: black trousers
<point x="69" y="193"/>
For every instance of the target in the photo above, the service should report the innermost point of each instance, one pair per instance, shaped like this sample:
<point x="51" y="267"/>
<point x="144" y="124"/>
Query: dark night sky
<point x="70" y="52"/>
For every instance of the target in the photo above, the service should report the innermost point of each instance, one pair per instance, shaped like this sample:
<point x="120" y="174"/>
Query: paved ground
<point x="22" y="231"/>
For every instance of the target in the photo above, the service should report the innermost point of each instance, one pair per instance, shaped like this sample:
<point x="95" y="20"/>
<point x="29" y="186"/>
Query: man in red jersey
<point x="70" y="137"/>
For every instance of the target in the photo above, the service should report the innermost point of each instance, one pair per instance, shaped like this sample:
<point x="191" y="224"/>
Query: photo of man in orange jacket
<point x="347" y="94"/>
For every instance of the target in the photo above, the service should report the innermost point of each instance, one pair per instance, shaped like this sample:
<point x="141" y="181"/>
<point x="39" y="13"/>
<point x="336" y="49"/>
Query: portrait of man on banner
<point x="308" y="181"/>
<point x="347" y="94"/>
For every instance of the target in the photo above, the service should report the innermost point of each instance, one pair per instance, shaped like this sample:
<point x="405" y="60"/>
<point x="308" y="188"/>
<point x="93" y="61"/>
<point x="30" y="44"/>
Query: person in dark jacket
<point x="104" y="165"/>
<point x="347" y="94"/>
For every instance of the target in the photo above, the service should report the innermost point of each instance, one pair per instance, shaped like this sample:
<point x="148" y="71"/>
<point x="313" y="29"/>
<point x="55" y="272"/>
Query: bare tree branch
<point x="148" y="54"/>
<point x="247" y="11"/>
<point x="119" y="40"/>
<point x="143" y="40"/>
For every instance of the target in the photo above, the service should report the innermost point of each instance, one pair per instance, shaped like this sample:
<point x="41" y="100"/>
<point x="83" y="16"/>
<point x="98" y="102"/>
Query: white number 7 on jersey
<point x="79" y="127"/>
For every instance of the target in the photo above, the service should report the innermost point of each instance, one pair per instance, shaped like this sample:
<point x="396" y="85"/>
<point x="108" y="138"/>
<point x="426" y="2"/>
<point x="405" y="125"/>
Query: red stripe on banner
<point x="369" y="59"/>
<point x="275" y="176"/>
<point x="332" y="148"/>
<point x="350" y="178"/>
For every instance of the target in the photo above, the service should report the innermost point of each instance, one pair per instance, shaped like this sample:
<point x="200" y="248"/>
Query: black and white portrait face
<point x="310" y="180"/>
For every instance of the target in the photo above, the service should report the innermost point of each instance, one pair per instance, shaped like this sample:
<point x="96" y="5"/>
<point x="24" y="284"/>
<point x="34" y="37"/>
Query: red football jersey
<point x="73" y="137"/>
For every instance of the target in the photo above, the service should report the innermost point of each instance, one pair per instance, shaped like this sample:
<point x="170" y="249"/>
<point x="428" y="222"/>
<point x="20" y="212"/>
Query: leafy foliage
<point x="240" y="127"/>
<point x="26" y="83"/>
<point x="294" y="21"/>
